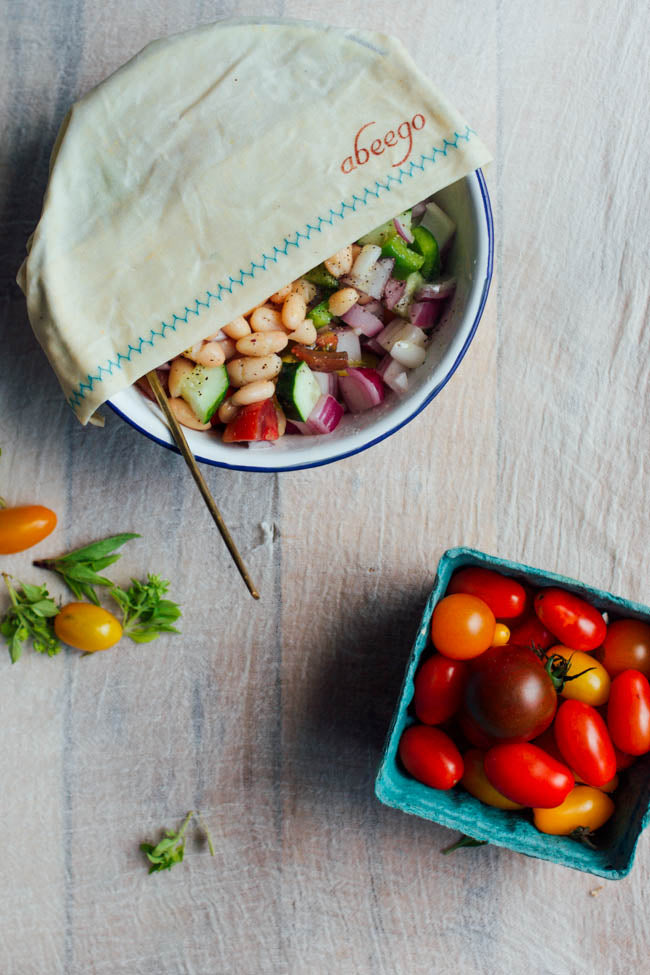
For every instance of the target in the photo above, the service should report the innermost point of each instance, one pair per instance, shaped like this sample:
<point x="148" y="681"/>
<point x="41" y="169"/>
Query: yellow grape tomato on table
<point x="87" y="627"/>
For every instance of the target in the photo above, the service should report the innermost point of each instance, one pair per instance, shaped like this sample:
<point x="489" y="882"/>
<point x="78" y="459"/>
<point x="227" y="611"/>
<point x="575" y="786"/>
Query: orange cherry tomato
<point x="593" y="683"/>
<point x="626" y="647"/>
<point x="24" y="526"/>
<point x="584" y="807"/>
<point x="476" y="782"/>
<point x="87" y="627"/>
<point x="462" y="626"/>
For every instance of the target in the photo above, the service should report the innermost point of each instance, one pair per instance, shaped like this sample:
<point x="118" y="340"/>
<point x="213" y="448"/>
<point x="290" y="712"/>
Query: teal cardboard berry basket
<point x="616" y="841"/>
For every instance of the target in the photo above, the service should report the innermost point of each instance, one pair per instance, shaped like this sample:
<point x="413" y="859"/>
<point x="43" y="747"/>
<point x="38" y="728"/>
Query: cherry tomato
<point x="256" y="421"/>
<point x="574" y="622"/>
<point x="530" y="632"/>
<point x="439" y="685"/>
<point x="501" y="635"/>
<point x="527" y="775"/>
<point x="592" y="686"/>
<point x="475" y="781"/>
<point x="509" y="695"/>
<point x="473" y="733"/>
<point x="462" y="626"/>
<point x="430" y="756"/>
<point x="623" y="761"/>
<point x="87" y="627"/>
<point x="22" y="527"/>
<point x="547" y="743"/>
<point x="626" y="647"/>
<point x="505" y="597"/>
<point x="584" y="807"/>
<point x="628" y="712"/>
<point x="610" y="786"/>
<point x="583" y="739"/>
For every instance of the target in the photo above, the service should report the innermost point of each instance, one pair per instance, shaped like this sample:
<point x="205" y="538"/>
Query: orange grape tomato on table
<point x="24" y="526"/>
<point x="587" y="681"/>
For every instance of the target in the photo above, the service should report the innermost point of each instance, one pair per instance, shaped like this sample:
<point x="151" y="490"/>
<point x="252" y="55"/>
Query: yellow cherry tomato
<point x="584" y="807"/>
<point x="24" y="526"/>
<point x="501" y="635"/>
<point x="462" y="626"/>
<point x="87" y="627"/>
<point x="592" y="687"/>
<point x="610" y="786"/>
<point x="476" y="782"/>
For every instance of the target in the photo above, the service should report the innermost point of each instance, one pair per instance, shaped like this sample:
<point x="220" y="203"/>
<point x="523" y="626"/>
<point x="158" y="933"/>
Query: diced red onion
<point x="348" y="342"/>
<point x="373" y="281"/>
<point x="435" y="290"/>
<point x="375" y="308"/>
<point x="393" y="374"/>
<point x="403" y="231"/>
<point x="425" y="314"/>
<point x="325" y="416"/>
<point x="328" y="382"/>
<point x="400" y="331"/>
<point x="408" y="354"/>
<point x="366" y="259"/>
<point x="374" y="346"/>
<point x="417" y="212"/>
<point x="360" y="318"/>
<point x="361" y="389"/>
<point x="393" y="292"/>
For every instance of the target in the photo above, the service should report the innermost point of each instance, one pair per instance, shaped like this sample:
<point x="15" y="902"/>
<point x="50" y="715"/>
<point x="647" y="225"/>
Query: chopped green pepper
<point x="320" y="276"/>
<point x="406" y="260"/>
<point x="427" y="245"/>
<point x="320" y="314"/>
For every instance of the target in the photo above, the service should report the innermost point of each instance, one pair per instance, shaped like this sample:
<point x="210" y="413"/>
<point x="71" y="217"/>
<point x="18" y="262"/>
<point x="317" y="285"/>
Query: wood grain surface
<point x="270" y="717"/>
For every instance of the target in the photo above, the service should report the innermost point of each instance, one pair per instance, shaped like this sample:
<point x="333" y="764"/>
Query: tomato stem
<point x="463" y="841"/>
<point x="557" y="668"/>
<point x="584" y="835"/>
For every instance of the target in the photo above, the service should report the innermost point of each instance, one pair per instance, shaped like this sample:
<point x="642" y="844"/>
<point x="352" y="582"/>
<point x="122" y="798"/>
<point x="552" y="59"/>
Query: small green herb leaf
<point x="145" y="614"/>
<point x="29" y="617"/>
<point x="80" y="568"/>
<point x="463" y="841"/>
<point x="171" y="849"/>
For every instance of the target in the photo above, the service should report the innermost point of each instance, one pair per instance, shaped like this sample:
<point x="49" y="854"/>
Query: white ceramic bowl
<point x="470" y="261"/>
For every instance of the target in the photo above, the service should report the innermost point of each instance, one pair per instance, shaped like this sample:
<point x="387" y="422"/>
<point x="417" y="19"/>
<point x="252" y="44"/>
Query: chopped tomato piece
<point x="319" y="360"/>
<point x="257" y="421"/>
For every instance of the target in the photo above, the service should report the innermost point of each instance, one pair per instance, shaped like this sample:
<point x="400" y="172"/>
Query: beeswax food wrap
<point x="212" y="169"/>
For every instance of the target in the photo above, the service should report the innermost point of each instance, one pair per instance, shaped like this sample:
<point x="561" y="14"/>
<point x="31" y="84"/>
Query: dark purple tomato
<point x="508" y="695"/>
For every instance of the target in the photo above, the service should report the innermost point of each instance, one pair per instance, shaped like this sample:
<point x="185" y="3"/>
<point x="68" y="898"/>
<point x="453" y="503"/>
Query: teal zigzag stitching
<point x="375" y="191"/>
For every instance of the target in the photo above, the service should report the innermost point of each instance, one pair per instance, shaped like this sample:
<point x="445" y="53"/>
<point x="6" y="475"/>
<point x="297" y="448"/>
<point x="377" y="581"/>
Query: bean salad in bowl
<point x="336" y="340"/>
<point x="368" y="394"/>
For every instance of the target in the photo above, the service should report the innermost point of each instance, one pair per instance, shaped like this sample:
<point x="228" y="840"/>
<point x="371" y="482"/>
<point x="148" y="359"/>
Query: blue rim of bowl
<point x="371" y="443"/>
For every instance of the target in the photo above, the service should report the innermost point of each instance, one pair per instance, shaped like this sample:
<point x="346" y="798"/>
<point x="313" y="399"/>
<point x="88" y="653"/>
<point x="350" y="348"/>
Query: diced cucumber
<point x="413" y="282"/>
<point x="298" y="390"/>
<point x="439" y="224"/>
<point x="320" y="314"/>
<point x="320" y="276"/>
<point x="204" y="389"/>
<point x="380" y="235"/>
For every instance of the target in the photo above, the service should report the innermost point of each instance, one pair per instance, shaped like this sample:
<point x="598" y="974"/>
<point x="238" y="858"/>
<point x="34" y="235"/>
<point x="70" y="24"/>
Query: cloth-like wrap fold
<point x="212" y="169"/>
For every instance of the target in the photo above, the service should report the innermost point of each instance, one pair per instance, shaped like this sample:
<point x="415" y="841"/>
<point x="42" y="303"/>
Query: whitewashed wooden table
<point x="270" y="717"/>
